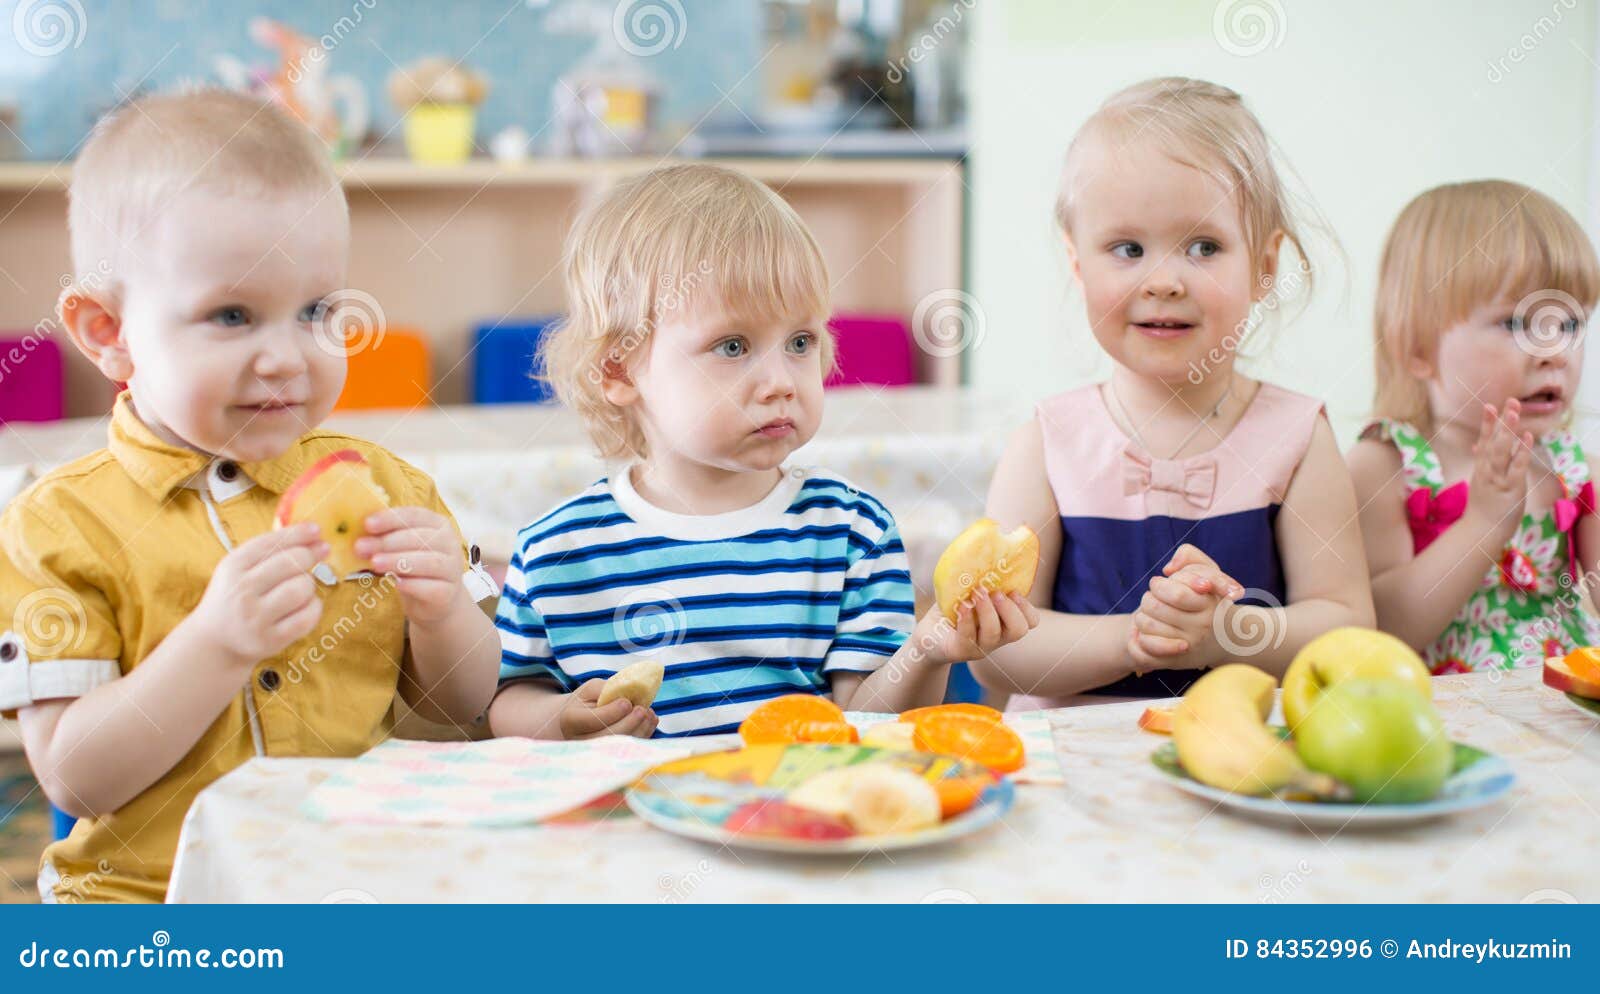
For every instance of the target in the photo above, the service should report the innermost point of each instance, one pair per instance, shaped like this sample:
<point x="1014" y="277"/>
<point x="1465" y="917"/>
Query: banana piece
<point x="828" y="791"/>
<point x="639" y="683"/>
<point x="891" y="735"/>
<point x="887" y="799"/>
<point x="1220" y="728"/>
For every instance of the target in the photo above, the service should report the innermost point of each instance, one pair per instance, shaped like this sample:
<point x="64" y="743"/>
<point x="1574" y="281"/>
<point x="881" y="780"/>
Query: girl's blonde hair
<point x="1456" y="248"/>
<point x="1204" y="126"/>
<point x="693" y="238"/>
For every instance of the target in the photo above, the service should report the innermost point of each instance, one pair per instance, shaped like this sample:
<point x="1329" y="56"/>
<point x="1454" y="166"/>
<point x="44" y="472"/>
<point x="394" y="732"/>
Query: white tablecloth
<point x="1114" y="832"/>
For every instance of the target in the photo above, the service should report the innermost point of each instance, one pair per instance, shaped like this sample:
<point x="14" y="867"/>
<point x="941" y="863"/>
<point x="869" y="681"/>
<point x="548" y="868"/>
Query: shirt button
<point x="8" y="651"/>
<point x="269" y="680"/>
<point x="474" y="556"/>
<point x="227" y="471"/>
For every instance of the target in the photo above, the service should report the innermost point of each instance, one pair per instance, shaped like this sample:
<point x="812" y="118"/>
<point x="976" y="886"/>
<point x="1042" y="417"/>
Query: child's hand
<point x="262" y="597"/>
<point x="423" y="552"/>
<point x="1201" y="572"/>
<point x="1174" y="626"/>
<point x="1499" y="486"/>
<point x="984" y="623"/>
<point x="581" y="719"/>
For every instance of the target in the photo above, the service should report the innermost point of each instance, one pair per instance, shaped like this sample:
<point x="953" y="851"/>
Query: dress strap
<point x="1420" y="466"/>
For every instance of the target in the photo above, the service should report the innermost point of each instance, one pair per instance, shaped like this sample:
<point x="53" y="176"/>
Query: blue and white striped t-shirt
<point x="740" y="607"/>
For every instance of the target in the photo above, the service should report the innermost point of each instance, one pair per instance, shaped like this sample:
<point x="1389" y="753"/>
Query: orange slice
<point x="1585" y="664"/>
<point x="975" y="710"/>
<point x="987" y="743"/>
<point x="837" y="732"/>
<point x="1158" y="720"/>
<point x="779" y="720"/>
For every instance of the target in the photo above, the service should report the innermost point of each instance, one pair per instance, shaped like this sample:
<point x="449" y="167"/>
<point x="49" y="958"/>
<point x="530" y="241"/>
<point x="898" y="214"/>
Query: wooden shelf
<point x="444" y="247"/>
<point x="396" y="173"/>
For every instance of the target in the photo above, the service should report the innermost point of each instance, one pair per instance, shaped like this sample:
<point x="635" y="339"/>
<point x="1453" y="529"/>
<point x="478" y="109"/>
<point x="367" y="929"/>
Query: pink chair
<point x="873" y="349"/>
<point x="32" y="384"/>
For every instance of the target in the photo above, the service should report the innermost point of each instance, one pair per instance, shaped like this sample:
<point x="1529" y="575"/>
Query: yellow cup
<point x="440" y="134"/>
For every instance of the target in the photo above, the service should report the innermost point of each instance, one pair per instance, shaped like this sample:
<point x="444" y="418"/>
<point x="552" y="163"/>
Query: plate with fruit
<point x="821" y="798"/>
<point x="807" y="781"/>
<point x="1363" y="743"/>
<point x="1577" y="676"/>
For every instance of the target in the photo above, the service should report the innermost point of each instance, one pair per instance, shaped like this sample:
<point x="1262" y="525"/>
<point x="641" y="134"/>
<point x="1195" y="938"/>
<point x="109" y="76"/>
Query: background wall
<point x="1370" y="101"/>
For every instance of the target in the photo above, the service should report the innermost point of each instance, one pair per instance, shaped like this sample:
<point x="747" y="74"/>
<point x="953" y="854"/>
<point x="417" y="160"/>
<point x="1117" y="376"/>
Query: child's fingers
<point x="1012" y="623"/>
<point x="966" y="626"/>
<point x="1186" y="555"/>
<point x="1161" y="646"/>
<point x="1488" y="424"/>
<point x="1177" y="593"/>
<point x="394" y="518"/>
<point x="1154" y="607"/>
<point x="1029" y="612"/>
<point x="589" y="691"/>
<point x="592" y="720"/>
<point x="296" y="626"/>
<point x="283" y="563"/>
<point x="987" y="622"/>
<point x="418" y="563"/>
<point x="1155" y="627"/>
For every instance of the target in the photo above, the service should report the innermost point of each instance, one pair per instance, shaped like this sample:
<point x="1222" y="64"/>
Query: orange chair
<point x="390" y="371"/>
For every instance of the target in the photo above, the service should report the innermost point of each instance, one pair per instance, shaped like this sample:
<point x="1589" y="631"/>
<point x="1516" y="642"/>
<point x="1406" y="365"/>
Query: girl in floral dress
<point x="1477" y="506"/>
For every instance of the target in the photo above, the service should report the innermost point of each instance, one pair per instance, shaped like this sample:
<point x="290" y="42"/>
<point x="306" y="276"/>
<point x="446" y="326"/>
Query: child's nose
<point x="775" y="377"/>
<point x="1163" y="281"/>
<point x="280" y="355"/>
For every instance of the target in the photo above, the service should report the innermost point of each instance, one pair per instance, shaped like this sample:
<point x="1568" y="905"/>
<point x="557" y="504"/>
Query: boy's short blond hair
<point x="1456" y="248"/>
<point x="679" y="238"/>
<point x="1206" y="126"/>
<point x="146" y="152"/>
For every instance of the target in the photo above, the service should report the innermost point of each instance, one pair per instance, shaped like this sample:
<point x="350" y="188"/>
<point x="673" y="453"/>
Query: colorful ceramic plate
<point x="1479" y="778"/>
<point x="697" y="796"/>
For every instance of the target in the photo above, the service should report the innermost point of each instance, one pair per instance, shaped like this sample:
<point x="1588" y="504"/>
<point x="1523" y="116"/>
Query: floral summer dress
<point x="1528" y="606"/>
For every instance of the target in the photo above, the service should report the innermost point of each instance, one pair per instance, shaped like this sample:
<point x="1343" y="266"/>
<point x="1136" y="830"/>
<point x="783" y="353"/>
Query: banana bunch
<point x="1220" y="729"/>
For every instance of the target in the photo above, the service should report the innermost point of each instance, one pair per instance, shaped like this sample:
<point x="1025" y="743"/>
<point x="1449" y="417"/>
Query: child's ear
<point x="1419" y="366"/>
<point x="1267" y="267"/>
<point x="1072" y="257"/>
<point x="96" y="329"/>
<point x="616" y="384"/>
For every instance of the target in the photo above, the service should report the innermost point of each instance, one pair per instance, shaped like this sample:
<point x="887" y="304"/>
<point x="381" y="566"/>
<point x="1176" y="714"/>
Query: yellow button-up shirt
<point x="102" y="557"/>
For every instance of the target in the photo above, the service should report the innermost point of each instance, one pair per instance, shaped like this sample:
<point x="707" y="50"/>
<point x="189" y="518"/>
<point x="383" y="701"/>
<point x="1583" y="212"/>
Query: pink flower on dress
<point x="1517" y="570"/>
<point x="1460" y="651"/>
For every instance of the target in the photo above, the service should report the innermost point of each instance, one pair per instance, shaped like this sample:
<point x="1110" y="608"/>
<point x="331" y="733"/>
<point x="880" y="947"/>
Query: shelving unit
<point x="443" y="248"/>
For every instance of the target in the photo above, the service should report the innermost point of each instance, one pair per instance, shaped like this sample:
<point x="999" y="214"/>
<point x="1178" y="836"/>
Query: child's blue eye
<point x="1204" y="248"/>
<point x="802" y="343"/>
<point x="1514" y="324"/>
<point x="230" y="317"/>
<point x="1127" y="250"/>
<point x="314" y="313"/>
<point x="730" y="348"/>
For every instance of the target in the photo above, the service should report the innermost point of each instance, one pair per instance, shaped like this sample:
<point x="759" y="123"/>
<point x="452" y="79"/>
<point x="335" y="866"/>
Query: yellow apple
<point x="338" y="493"/>
<point x="986" y="559"/>
<point x="1344" y="654"/>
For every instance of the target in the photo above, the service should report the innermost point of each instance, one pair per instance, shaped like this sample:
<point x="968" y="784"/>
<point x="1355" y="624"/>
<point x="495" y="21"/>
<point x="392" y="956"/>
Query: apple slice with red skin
<point x="337" y="493"/>
<point x="1559" y="675"/>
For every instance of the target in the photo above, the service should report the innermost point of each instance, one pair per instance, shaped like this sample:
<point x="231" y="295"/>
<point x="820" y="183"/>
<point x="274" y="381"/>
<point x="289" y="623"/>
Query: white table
<point x="1114" y="832"/>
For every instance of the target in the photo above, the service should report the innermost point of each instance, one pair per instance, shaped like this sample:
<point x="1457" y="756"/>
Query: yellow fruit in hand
<point x="338" y="493"/>
<point x="984" y="559"/>
<point x="639" y="683"/>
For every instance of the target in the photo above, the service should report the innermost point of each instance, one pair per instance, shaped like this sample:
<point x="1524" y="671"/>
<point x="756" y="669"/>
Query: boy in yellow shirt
<point x="158" y="632"/>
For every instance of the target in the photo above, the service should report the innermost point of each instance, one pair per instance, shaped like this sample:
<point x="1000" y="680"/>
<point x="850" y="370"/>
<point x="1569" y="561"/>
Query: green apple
<point x="1345" y="654"/>
<point x="1381" y="738"/>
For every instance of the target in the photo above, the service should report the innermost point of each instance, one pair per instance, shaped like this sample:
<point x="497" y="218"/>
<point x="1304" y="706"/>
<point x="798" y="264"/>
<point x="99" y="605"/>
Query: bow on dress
<point x="1195" y="479"/>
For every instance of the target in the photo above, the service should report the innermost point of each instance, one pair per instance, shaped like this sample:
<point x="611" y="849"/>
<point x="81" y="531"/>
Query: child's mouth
<point x="776" y="429"/>
<point x="270" y="409"/>
<point x="1164" y="328"/>
<point x="1542" y="402"/>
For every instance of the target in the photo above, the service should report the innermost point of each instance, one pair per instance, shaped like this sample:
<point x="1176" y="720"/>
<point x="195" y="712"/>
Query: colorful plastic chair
<point x="873" y="349"/>
<point x="502" y="361"/>
<point x="32" y="379"/>
<point x="392" y="371"/>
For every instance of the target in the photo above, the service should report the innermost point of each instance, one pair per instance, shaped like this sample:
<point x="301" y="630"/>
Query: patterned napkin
<point x="495" y="783"/>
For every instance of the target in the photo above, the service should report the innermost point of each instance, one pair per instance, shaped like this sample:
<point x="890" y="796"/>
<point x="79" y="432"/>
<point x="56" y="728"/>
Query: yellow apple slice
<point x="983" y="558"/>
<point x="639" y="683"/>
<point x="337" y="493"/>
<point x="891" y="735"/>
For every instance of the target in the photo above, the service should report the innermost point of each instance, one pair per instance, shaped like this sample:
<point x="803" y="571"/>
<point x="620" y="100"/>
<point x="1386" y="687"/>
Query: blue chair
<point x="503" y="358"/>
<point x="62" y="821"/>
<point x="963" y="687"/>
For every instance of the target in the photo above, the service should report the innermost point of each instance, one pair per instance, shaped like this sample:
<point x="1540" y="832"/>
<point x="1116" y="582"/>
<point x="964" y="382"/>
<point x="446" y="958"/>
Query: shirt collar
<point x="161" y="467"/>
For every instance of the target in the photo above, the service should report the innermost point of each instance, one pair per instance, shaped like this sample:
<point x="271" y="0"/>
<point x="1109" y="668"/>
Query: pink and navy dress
<point x="1124" y="513"/>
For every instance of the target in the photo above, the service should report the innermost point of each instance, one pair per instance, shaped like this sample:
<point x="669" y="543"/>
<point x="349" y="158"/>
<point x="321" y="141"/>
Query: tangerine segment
<point x="837" y="732"/>
<point x="1158" y="720"/>
<point x="778" y="720"/>
<point x="987" y="743"/>
<point x="957" y="794"/>
<point x="975" y="710"/>
<point x="1585" y="663"/>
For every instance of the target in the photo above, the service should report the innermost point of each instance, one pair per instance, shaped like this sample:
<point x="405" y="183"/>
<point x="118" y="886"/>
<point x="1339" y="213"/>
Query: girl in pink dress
<point x="1187" y="514"/>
